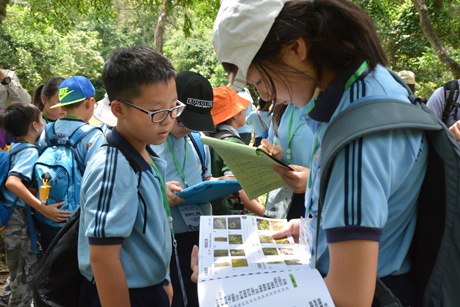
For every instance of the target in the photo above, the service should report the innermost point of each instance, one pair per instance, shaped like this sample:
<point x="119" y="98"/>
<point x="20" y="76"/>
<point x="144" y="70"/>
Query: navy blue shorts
<point x="153" y="296"/>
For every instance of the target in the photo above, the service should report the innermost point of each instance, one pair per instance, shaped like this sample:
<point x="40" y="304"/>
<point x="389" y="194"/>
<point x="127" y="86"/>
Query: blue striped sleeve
<point x="356" y="203"/>
<point x="109" y="197"/>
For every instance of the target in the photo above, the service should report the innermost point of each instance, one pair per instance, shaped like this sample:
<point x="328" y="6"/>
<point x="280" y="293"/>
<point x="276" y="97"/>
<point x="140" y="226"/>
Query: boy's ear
<point x="88" y="102"/>
<point x="117" y="108"/>
<point x="34" y="126"/>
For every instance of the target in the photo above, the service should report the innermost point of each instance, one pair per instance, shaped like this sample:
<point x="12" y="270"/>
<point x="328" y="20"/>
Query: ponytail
<point x="38" y="97"/>
<point x="49" y="89"/>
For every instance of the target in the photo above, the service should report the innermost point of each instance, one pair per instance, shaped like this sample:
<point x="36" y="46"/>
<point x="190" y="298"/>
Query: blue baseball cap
<point x="73" y="90"/>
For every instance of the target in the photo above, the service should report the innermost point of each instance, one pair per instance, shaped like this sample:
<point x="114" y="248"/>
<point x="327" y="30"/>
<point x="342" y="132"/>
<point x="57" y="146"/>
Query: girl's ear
<point x="43" y="98"/>
<point x="300" y="49"/>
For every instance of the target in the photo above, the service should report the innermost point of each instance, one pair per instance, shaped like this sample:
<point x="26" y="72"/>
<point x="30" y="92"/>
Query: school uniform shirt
<point x="375" y="181"/>
<point x="259" y="125"/>
<point x="436" y="104"/>
<point x="85" y="148"/>
<point x="106" y="129"/>
<point x="192" y="172"/>
<point x="113" y="213"/>
<point x="246" y="95"/>
<point x="21" y="166"/>
<point x="301" y="143"/>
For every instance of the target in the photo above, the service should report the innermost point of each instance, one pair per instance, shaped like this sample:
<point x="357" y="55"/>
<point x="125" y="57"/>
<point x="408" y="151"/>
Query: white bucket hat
<point x="408" y="77"/>
<point x="240" y="29"/>
<point x="103" y="112"/>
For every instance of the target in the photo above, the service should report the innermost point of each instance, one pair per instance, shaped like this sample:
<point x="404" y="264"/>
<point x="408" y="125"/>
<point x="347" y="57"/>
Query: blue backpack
<point x="60" y="166"/>
<point x="195" y="138"/>
<point x="5" y="211"/>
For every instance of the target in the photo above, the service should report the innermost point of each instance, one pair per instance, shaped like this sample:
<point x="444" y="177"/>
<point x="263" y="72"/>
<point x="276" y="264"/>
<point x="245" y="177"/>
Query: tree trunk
<point x="3" y="4"/>
<point x="160" y="28"/>
<point x="435" y="42"/>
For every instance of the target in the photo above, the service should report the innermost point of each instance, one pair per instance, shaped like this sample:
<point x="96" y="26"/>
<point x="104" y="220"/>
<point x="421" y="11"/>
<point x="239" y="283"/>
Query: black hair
<point x="17" y="117"/>
<point x="49" y="89"/>
<point x="278" y="112"/>
<point x="337" y="33"/>
<point x="263" y="105"/>
<point x="75" y="105"/>
<point x="128" y="69"/>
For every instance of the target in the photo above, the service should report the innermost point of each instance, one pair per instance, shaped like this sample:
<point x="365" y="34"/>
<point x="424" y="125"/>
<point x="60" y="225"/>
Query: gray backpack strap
<point x="366" y="117"/>
<point x="374" y="115"/>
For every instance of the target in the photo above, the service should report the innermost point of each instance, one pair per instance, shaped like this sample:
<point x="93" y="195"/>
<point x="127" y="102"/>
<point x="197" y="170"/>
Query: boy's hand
<point x="194" y="264"/>
<point x="171" y="188"/>
<point x="297" y="178"/>
<point x="290" y="228"/>
<point x="53" y="213"/>
<point x="276" y="151"/>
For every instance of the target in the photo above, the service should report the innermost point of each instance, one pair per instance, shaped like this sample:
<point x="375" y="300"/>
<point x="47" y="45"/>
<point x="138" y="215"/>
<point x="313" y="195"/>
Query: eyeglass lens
<point x="160" y="116"/>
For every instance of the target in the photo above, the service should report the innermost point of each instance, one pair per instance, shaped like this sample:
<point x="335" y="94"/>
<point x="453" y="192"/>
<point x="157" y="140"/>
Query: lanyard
<point x="311" y="182"/>
<point x="265" y="128"/>
<point x="23" y="140"/>
<point x="288" y="156"/>
<point x="44" y="116"/>
<point x="168" y="212"/>
<point x="165" y="197"/>
<point x="73" y="117"/>
<point x="177" y="163"/>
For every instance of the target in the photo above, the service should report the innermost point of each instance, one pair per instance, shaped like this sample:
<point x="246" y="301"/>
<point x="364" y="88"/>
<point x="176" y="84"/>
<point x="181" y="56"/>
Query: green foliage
<point x="397" y="23"/>
<point x="195" y="53"/>
<point x="36" y="51"/>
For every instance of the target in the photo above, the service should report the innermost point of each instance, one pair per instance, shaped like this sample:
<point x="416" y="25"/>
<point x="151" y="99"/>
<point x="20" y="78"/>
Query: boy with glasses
<point x="124" y="243"/>
<point x="76" y="94"/>
<point x="185" y="169"/>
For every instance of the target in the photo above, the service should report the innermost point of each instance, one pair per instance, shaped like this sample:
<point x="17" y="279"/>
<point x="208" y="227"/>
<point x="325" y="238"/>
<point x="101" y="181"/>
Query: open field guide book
<point x="240" y="264"/>
<point x="249" y="165"/>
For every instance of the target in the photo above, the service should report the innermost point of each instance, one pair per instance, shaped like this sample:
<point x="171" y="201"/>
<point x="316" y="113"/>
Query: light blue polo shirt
<point x="256" y="122"/>
<point x="192" y="171"/>
<point x="246" y="95"/>
<point x="375" y="181"/>
<point x="302" y="138"/>
<point x="112" y="213"/>
<point x="22" y="166"/>
<point x="85" y="148"/>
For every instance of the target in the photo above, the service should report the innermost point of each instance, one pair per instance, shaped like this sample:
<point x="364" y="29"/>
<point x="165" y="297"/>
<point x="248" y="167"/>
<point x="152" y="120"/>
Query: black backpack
<point x="58" y="279"/>
<point x="435" y="249"/>
<point x="451" y="91"/>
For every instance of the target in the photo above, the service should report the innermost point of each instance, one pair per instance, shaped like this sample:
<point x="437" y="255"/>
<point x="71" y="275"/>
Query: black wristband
<point x="6" y="80"/>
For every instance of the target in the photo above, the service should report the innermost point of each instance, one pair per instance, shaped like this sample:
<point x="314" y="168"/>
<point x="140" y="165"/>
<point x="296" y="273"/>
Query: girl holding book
<point x="288" y="49"/>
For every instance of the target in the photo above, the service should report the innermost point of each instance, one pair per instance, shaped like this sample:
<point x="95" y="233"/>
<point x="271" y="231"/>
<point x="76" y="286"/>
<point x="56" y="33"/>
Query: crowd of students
<point x="313" y="60"/>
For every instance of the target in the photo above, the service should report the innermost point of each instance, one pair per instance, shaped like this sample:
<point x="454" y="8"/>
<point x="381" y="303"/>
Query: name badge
<point x="191" y="215"/>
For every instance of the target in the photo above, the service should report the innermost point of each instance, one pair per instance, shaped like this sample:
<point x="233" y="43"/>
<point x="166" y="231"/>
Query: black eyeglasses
<point x="160" y="115"/>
